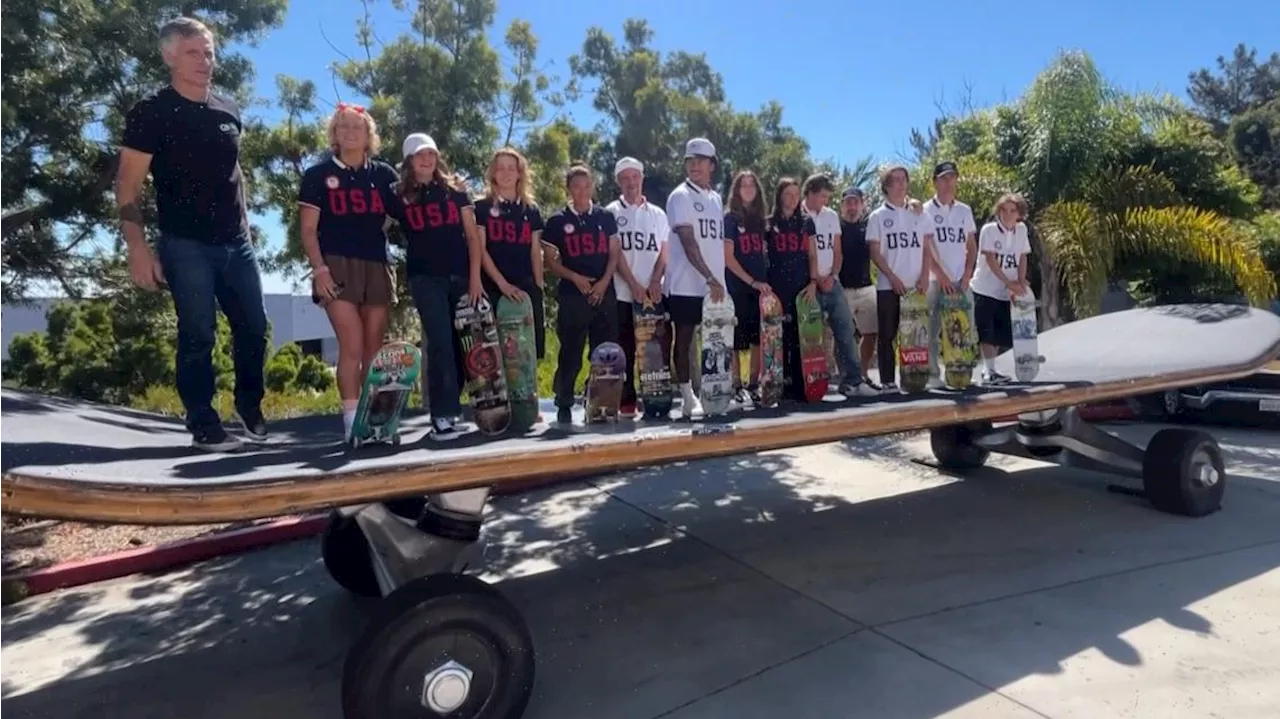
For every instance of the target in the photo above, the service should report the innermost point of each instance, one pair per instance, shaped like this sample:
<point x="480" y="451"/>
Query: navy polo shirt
<point x="353" y="204"/>
<point x="583" y="242"/>
<point x="748" y="249"/>
<point x="432" y="222"/>
<point x="508" y="228"/>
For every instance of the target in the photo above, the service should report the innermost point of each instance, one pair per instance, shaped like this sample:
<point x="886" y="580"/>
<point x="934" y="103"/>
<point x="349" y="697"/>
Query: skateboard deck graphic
<point x="959" y="341"/>
<point x="718" y="320"/>
<point x="913" y="342"/>
<point x="771" y="359"/>
<point x="604" y="382"/>
<point x="653" y="366"/>
<point x="387" y="385"/>
<point x="519" y="360"/>
<point x="813" y="352"/>
<point x="1026" y="348"/>
<point x="486" y="379"/>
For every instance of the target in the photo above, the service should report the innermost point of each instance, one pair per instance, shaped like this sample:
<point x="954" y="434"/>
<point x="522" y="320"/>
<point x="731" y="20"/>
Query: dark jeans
<point x="203" y="277"/>
<point x="627" y="338"/>
<point x="888" y="313"/>
<point x="577" y="321"/>
<point x="435" y="296"/>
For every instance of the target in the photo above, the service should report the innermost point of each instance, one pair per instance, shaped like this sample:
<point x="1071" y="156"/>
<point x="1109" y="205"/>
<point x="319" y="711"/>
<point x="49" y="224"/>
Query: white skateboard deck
<point x="1026" y="346"/>
<point x="718" y="320"/>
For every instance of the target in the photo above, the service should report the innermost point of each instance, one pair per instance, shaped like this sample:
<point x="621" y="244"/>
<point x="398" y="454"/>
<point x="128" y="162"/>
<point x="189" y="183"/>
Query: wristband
<point x="317" y="270"/>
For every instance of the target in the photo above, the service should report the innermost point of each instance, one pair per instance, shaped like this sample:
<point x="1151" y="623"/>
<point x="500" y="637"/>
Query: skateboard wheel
<point x="1183" y="472"/>
<point x="442" y="645"/>
<point x="395" y="440"/>
<point x="955" y="449"/>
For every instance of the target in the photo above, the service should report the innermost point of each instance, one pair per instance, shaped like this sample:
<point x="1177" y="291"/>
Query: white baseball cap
<point x="699" y="146"/>
<point x="627" y="163"/>
<point x="417" y="142"/>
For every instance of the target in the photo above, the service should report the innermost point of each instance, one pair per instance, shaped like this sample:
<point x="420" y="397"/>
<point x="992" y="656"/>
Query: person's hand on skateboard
<point x="964" y="282"/>
<point x="810" y="292"/>
<point x="638" y="291"/>
<point x="655" y="289"/>
<point x="922" y="283"/>
<point x="761" y="287"/>
<point x="475" y="292"/>
<point x="948" y="287"/>
<point x="511" y="292"/>
<point x="717" y="289"/>
<point x="896" y="283"/>
<point x="145" y="268"/>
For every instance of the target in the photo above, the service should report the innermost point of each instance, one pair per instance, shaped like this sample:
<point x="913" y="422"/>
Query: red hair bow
<point x="355" y="108"/>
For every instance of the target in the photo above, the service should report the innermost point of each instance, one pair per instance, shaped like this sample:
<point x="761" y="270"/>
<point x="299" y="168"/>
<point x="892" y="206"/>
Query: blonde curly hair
<point x="524" y="189"/>
<point x="370" y="126"/>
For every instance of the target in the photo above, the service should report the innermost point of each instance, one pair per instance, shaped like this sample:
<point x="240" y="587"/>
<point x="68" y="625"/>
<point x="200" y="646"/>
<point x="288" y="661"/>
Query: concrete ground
<point x="828" y="582"/>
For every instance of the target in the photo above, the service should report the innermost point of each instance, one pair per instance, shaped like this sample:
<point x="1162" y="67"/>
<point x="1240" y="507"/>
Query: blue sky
<point x="853" y="83"/>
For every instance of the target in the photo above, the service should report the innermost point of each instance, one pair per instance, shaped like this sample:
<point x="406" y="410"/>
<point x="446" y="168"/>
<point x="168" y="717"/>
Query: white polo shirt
<point x="642" y="231"/>
<point x="1009" y="247"/>
<point x="701" y="210"/>
<point x="823" y="227"/>
<point x="900" y="234"/>
<point x="952" y="225"/>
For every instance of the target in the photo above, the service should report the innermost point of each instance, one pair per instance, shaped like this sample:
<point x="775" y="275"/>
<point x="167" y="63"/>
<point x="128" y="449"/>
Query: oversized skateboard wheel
<point x="955" y="449"/>
<point x="1183" y="472"/>
<point x="345" y="550"/>
<point x="444" y="645"/>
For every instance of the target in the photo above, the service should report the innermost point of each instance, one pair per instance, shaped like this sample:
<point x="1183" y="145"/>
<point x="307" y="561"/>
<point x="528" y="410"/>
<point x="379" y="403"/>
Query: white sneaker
<point x="442" y="429"/>
<point x="690" y="406"/>
<point x="934" y="383"/>
<point x="861" y="389"/>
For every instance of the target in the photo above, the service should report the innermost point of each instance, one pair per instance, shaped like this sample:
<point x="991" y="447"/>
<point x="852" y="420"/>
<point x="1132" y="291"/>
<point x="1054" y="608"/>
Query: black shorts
<point x="992" y="320"/>
<point x="746" y="307"/>
<point x="684" y="310"/>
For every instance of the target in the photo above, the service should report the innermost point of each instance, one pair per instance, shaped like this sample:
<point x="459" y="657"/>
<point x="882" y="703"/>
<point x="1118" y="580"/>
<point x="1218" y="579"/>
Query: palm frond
<point x="1075" y="236"/>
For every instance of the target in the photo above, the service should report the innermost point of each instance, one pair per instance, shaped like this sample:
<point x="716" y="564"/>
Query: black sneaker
<point x="564" y="415"/>
<point x="254" y="424"/>
<point x="215" y="439"/>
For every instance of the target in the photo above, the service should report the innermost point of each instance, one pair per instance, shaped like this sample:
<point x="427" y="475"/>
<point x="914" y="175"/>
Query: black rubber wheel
<point x="419" y="630"/>
<point x="954" y="448"/>
<point x="1183" y="472"/>
<point x="345" y="550"/>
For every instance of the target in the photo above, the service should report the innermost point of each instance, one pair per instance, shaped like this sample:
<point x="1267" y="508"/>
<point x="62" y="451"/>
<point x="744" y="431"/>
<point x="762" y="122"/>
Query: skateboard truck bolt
<point x="445" y="688"/>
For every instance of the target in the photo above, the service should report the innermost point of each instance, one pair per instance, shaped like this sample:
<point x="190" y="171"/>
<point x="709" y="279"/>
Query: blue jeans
<point x="841" y="322"/>
<point x="202" y="277"/>
<point x="435" y="297"/>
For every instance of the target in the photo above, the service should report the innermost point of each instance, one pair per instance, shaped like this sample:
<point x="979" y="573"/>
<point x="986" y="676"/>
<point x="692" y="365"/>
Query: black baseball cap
<point x="853" y="192"/>
<point x="943" y="168"/>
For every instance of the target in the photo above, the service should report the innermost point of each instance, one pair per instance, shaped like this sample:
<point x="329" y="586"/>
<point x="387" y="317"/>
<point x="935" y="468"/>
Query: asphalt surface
<point x="835" y="581"/>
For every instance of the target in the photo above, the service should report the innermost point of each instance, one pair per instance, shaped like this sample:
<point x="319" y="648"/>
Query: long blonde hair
<point x="370" y="126"/>
<point x="524" y="189"/>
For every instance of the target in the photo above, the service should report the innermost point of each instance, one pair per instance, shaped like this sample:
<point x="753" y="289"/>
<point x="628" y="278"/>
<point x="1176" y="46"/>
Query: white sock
<point x="989" y="364"/>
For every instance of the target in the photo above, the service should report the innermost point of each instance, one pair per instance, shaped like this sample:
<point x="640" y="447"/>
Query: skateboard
<point x="913" y="342"/>
<point x="1026" y="351"/>
<point x="604" y="383"/>
<point x="959" y="341"/>
<point x="520" y="360"/>
<point x="653" y="368"/>
<point x="813" y="353"/>
<point x="718" y="320"/>
<point x="387" y="385"/>
<point x="771" y="361"/>
<point x="486" y="380"/>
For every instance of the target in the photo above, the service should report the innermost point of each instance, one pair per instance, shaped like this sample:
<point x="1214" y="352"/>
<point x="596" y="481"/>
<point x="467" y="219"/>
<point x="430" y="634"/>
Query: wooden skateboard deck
<point x="486" y="379"/>
<point x="771" y="361"/>
<point x="387" y="385"/>
<point x="653" y="363"/>
<point x="959" y="341"/>
<point x="519" y="360"/>
<point x="718" y="320"/>
<point x="604" y="382"/>
<point x="1026" y="350"/>
<point x="913" y="342"/>
<point x="813" y="352"/>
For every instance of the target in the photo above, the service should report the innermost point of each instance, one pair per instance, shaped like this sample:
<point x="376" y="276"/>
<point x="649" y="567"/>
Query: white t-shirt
<point x="901" y="235"/>
<point x="1009" y="247"/>
<point x="952" y="226"/>
<point x="826" y="228"/>
<point x="689" y="206"/>
<point x="642" y="231"/>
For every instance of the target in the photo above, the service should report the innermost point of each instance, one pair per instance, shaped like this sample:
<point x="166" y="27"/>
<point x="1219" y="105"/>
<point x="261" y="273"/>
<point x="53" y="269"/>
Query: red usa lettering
<point x="915" y="356"/>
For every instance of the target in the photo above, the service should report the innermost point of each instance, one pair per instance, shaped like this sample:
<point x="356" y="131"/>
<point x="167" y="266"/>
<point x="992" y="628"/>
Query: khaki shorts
<point x="364" y="282"/>
<point x="862" y="305"/>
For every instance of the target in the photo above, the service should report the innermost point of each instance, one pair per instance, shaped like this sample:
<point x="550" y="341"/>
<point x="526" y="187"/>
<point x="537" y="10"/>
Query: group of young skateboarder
<point x="684" y="259"/>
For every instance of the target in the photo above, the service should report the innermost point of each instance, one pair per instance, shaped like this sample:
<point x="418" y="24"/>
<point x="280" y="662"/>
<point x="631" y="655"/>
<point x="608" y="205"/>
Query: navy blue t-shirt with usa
<point x="788" y="254"/>
<point x="508" y="233"/>
<point x="437" y="241"/>
<point x="583" y="242"/>
<point x="748" y="249"/>
<point x="354" y="203"/>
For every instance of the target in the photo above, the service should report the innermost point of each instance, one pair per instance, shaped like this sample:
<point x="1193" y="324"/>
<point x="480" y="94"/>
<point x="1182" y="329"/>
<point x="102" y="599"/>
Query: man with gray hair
<point x="188" y="138"/>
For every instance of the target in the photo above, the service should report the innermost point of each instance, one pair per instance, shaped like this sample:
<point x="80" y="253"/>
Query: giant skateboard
<point x="80" y="461"/>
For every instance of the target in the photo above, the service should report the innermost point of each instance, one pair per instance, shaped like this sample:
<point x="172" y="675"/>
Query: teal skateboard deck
<point x="391" y="378"/>
<point x="520" y="360"/>
<point x="486" y="379"/>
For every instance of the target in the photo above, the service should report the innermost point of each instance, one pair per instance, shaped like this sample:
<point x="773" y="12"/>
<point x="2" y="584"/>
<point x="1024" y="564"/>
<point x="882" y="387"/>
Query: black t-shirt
<point x="354" y="203"/>
<point x="509" y="228"/>
<point x="195" y="162"/>
<point x="583" y="242"/>
<point x="748" y="249"/>
<point x="437" y="242"/>
<point x="788" y="253"/>
<point x="856" y="268"/>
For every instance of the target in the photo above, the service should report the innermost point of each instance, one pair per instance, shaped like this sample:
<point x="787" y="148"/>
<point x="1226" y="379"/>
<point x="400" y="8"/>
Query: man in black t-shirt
<point x="188" y="138"/>
<point x="855" y="275"/>
<point x="584" y="236"/>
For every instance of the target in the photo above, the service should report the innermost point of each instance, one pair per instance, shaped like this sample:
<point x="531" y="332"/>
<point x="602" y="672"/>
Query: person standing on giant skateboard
<point x="442" y="264"/>
<point x="188" y="138"/>
<point x="343" y="206"/>
<point x="746" y="265"/>
<point x="788" y="275"/>
<point x="584" y="238"/>
<point x="1002" y="272"/>
<point x="955" y="253"/>
<point x="695" y="266"/>
<point x="898" y="239"/>
<point x="855" y="278"/>
<point x="642" y="237"/>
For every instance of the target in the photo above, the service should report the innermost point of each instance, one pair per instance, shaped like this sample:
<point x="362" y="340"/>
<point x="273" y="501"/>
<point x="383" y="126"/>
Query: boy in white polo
<point x="955" y="251"/>
<point x="642" y="232"/>
<point x="1001" y="272"/>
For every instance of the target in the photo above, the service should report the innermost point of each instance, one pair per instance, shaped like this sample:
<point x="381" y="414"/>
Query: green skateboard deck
<point x="772" y="361"/>
<point x="959" y="341"/>
<point x="813" y="354"/>
<point x="391" y="378"/>
<point x="486" y="379"/>
<point x="653" y="348"/>
<point x="520" y="360"/>
<point x="913" y="342"/>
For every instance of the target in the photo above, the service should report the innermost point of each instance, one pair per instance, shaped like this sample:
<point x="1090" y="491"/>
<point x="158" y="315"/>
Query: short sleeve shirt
<point x="508" y="234"/>
<point x="788" y="254"/>
<point x="855" y="270"/>
<point x="437" y="241"/>
<point x="900" y="234"/>
<point x="353" y="205"/>
<point x="823" y="227"/>
<point x="583" y="241"/>
<point x="702" y="211"/>
<point x="1008" y="247"/>
<point x="748" y="250"/>
<point x="952" y="226"/>
<point x="642" y="231"/>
